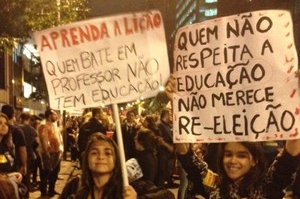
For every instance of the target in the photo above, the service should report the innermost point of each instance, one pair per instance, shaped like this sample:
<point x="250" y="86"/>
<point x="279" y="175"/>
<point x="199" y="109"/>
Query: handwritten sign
<point x="235" y="79"/>
<point x="104" y="60"/>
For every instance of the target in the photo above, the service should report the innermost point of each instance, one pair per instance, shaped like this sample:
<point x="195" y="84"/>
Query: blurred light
<point x="26" y="110"/>
<point x="28" y="89"/>
<point x="30" y="50"/>
<point x="161" y="88"/>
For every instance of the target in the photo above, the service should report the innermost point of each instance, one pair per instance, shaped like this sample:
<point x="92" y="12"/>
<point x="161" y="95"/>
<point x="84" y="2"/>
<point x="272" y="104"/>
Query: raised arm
<point x="293" y="147"/>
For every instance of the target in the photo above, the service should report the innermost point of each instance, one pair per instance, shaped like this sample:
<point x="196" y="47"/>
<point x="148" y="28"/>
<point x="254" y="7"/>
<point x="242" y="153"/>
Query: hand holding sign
<point x="105" y="60"/>
<point x="235" y="79"/>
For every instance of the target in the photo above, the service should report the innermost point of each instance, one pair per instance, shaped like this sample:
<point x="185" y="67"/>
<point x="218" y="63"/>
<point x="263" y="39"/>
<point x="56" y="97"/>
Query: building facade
<point x="17" y="84"/>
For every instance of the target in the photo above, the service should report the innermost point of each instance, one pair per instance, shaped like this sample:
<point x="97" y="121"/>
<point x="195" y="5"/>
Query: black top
<point x="149" y="164"/>
<point x="7" y="160"/>
<point x="19" y="141"/>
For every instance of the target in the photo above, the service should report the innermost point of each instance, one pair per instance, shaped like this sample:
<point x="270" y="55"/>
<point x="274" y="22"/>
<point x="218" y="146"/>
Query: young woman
<point x="145" y="144"/>
<point x="7" y="162"/>
<point x="101" y="172"/>
<point x="241" y="171"/>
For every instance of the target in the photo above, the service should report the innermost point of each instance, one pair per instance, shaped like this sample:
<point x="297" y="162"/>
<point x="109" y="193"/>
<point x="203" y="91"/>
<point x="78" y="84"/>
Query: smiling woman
<point x="241" y="170"/>
<point x="101" y="172"/>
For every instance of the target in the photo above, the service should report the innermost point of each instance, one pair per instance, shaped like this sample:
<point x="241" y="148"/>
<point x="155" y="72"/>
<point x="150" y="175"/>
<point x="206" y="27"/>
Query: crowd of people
<point x="31" y="149"/>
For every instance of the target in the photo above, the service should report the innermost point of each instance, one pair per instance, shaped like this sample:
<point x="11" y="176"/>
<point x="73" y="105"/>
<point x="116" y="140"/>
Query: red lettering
<point x="157" y="20"/>
<point x="84" y="34"/>
<point x="74" y="37"/>
<point x="127" y="29"/>
<point x="45" y="43"/>
<point x="95" y="32"/>
<point x="64" y="39"/>
<point x="54" y="36"/>
<point x="117" y="28"/>
<point x="104" y="31"/>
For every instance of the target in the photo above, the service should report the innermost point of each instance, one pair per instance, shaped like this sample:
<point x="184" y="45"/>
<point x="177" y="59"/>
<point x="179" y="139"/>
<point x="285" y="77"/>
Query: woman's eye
<point x="227" y="154"/>
<point x="242" y="156"/>
<point x="93" y="153"/>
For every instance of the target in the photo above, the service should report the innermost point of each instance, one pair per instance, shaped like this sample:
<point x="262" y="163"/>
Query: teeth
<point x="233" y="168"/>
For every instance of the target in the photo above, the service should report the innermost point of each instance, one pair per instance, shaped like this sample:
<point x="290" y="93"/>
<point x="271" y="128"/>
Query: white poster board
<point x="106" y="60"/>
<point x="235" y="79"/>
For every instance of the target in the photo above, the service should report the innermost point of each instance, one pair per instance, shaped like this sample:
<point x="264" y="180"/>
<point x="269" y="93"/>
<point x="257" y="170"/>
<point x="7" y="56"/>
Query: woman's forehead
<point x="235" y="146"/>
<point x="100" y="144"/>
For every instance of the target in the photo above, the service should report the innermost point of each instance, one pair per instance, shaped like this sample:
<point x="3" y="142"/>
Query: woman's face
<point x="3" y="126"/>
<point x="101" y="157"/>
<point x="237" y="161"/>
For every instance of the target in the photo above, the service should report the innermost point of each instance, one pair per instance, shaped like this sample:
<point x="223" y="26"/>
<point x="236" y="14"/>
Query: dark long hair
<point x="152" y="124"/>
<point x="148" y="139"/>
<point x="7" y="138"/>
<point x="113" y="189"/>
<point x="252" y="180"/>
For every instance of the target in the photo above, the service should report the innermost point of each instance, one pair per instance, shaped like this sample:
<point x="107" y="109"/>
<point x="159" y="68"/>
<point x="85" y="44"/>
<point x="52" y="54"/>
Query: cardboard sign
<point x="235" y="79"/>
<point x="105" y="60"/>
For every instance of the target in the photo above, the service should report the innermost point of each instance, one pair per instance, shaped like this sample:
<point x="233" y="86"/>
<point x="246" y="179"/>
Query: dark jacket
<point x="149" y="164"/>
<point x="128" y="134"/>
<point x="278" y="177"/>
<point x="74" y="190"/>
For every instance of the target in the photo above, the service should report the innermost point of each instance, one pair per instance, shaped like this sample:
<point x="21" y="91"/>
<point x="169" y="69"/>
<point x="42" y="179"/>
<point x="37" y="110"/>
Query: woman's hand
<point x="16" y="176"/>
<point x="129" y="192"/>
<point x="170" y="87"/>
<point x="293" y="147"/>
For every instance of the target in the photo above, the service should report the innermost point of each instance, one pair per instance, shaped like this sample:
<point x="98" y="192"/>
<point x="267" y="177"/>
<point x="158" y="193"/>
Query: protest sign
<point x="235" y="79"/>
<point x="106" y="60"/>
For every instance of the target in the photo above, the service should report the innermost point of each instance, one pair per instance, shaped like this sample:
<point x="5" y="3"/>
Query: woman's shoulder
<point x="73" y="188"/>
<point x="82" y="193"/>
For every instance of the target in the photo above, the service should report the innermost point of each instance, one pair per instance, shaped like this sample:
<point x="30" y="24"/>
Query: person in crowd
<point x="101" y="173"/>
<point x="145" y="144"/>
<point x="88" y="128"/>
<point x="293" y="191"/>
<point x="149" y="122"/>
<point x="9" y="175"/>
<point x="199" y="150"/>
<point x="166" y="151"/>
<point x="31" y="138"/>
<point x="106" y="122"/>
<point x="7" y="190"/>
<point x="35" y="123"/>
<point x="242" y="170"/>
<point x="129" y="129"/>
<point x="50" y="151"/>
<point x="72" y="130"/>
<point x="296" y="185"/>
<point x="18" y="139"/>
